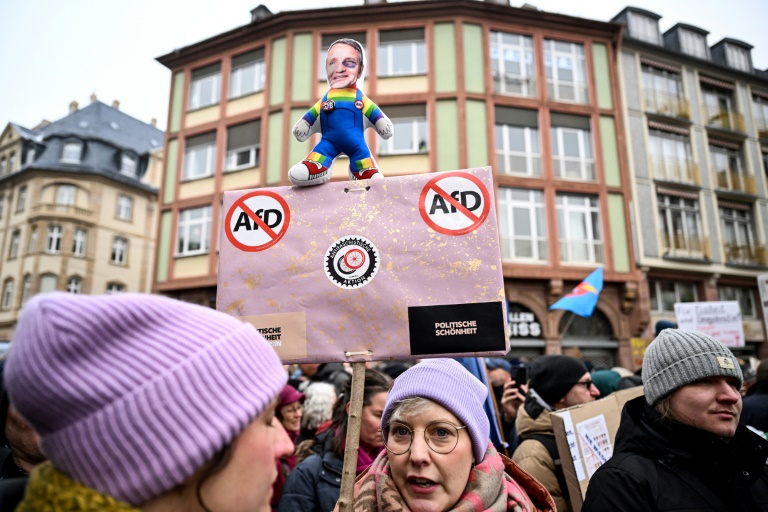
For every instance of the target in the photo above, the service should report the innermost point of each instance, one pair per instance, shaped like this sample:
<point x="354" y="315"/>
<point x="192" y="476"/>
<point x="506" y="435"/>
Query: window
<point x="719" y="109"/>
<point x="33" y="241"/>
<point x="30" y="155"/>
<point x="663" y="92"/>
<point x="512" y="64"/>
<point x="78" y="242"/>
<point x="243" y="146"/>
<point x="26" y="288"/>
<point x="2" y="205"/>
<point x="2" y="165"/>
<point x="11" y="162"/>
<point x="738" y="234"/>
<point x="680" y="223"/>
<point x="204" y="88"/>
<point x="14" y="250"/>
<point x="518" y="148"/>
<point x="124" y="207"/>
<point x="48" y="283"/>
<point x="572" y="154"/>
<point x="744" y="296"/>
<point x="7" y="294"/>
<point x="128" y="165"/>
<point x="327" y="40"/>
<point x="643" y="28"/>
<point x="728" y="164"/>
<point x="738" y="58"/>
<point x="113" y="288"/>
<point x="402" y="52"/>
<point x="119" y="250"/>
<point x="54" y="239"/>
<point x="74" y="284"/>
<point x="248" y="73"/>
<point x="65" y="195"/>
<point x="664" y="294"/>
<point x="578" y="226"/>
<point x="523" y="224"/>
<point x="760" y="106"/>
<point x="410" y="124"/>
<point x="693" y="44"/>
<point x="671" y="158"/>
<point x="72" y="152"/>
<point x="200" y="156"/>
<point x="566" y="71"/>
<point x="194" y="231"/>
<point x="21" y="201"/>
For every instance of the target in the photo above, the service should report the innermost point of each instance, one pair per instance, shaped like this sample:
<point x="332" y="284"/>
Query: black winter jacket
<point x="661" y="465"/>
<point x="314" y="484"/>
<point x="755" y="410"/>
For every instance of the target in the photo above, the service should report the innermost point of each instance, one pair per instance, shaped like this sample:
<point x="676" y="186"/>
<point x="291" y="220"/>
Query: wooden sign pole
<point x="346" y="498"/>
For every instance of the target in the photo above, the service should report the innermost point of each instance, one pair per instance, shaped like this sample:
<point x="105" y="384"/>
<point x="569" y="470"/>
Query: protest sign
<point x="400" y="268"/>
<point x="721" y="320"/>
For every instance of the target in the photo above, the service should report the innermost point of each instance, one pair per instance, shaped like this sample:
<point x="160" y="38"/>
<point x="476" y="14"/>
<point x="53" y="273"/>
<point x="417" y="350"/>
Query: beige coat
<point x="534" y="458"/>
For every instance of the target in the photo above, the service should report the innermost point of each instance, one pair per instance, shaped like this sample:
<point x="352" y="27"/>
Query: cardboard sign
<point x="585" y="436"/>
<point x="721" y="320"/>
<point x="353" y="271"/>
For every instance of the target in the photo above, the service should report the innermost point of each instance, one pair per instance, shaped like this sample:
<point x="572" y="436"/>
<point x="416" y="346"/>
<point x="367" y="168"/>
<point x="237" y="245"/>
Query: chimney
<point x="73" y="107"/>
<point x="260" y="13"/>
<point x="116" y="104"/>
<point x="93" y="98"/>
<point x="153" y="122"/>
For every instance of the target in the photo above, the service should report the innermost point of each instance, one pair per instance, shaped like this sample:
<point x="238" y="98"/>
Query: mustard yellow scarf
<point x="50" y="490"/>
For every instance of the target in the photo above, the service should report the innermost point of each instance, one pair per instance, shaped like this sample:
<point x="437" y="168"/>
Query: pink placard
<point x="400" y="268"/>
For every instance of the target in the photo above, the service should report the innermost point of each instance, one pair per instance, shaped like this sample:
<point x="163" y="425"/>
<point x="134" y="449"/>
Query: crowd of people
<point x="135" y="402"/>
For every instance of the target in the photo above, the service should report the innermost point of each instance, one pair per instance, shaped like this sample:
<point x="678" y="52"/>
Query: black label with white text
<point x="456" y="328"/>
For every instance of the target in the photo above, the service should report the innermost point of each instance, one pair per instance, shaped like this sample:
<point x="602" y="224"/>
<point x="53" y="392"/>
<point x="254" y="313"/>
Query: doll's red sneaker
<point x="308" y="172"/>
<point x="372" y="173"/>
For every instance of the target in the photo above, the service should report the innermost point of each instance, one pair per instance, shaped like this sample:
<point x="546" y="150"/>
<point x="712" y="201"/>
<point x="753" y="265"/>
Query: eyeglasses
<point x="586" y="383"/>
<point x="441" y="437"/>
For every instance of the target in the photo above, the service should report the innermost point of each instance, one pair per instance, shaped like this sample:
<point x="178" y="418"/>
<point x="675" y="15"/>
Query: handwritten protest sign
<point x="721" y="320"/>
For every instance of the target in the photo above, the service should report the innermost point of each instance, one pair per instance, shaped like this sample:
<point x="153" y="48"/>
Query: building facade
<point x="78" y="206"/>
<point x="697" y="125"/>
<point x="466" y="84"/>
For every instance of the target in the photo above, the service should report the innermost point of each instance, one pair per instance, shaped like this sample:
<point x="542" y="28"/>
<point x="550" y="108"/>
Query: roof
<point x="638" y="10"/>
<point x="735" y="42"/>
<point x="100" y="121"/>
<point x="687" y="27"/>
<point x="25" y="133"/>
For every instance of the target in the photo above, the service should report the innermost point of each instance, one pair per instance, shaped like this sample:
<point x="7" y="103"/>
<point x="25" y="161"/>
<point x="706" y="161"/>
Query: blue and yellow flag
<point x="583" y="299"/>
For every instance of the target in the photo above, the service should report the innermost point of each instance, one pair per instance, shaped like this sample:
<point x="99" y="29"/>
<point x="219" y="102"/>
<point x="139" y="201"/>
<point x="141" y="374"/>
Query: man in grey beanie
<point x="680" y="447"/>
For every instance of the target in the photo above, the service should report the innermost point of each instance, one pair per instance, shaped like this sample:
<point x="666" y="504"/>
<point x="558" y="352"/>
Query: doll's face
<point x="343" y="66"/>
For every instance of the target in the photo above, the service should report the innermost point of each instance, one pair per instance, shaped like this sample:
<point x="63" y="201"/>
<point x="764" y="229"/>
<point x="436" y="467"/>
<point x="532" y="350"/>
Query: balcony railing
<point x="746" y="254"/>
<point x="682" y="246"/>
<point x="666" y="104"/>
<point x="762" y="128"/>
<point x="65" y="209"/>
<point x="582" y="251"/>
<point x="675" y="169"/>
<point x="726" y="119"/>
<point x="736" y="181"/>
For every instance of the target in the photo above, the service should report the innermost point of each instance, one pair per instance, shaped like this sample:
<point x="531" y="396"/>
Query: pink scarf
<point x="489" y="489"/>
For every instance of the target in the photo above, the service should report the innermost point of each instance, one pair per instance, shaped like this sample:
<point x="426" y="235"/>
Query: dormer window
<point x="693" y="44"/>
<point x="128" y="165"/>
<point x="643" y="28"/>
<point x="738" y="58"/>
<point x="72" y="152"/>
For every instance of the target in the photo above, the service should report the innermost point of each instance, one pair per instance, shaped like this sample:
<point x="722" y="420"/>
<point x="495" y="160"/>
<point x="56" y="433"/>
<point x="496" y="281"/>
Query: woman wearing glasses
<point x="438" y="456"/>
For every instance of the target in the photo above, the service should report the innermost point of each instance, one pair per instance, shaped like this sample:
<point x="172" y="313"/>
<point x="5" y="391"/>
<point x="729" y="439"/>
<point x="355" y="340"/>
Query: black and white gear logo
<point x="351" y="262"/>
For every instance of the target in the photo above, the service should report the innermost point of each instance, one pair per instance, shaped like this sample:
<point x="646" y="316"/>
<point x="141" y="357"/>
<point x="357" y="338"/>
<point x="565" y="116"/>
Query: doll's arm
<point x="377" y="118"/>
<point x="303" y="127"/>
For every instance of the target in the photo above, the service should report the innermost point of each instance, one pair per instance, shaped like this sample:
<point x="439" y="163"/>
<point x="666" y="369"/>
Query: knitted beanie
<point x="133" y="393"/>
<point x="449" y="384"/>
<point x="676" y="358"/>
<point x="552" y="377"/>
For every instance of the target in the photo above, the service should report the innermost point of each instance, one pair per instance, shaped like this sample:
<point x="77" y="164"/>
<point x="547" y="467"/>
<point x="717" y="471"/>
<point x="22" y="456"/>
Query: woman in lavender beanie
<point x="146" y="403"/>
<point x="438" y="456"/>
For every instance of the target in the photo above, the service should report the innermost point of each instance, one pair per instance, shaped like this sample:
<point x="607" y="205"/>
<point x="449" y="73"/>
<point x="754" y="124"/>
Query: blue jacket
<point x="315" y="484"/>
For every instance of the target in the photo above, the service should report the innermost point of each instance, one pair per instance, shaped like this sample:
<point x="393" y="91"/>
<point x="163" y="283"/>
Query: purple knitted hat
<point x="449" y="384"/>
<point x="132" y="393"/>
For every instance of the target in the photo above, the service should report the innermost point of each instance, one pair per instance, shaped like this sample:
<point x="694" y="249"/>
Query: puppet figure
<point x="341" y="116"/>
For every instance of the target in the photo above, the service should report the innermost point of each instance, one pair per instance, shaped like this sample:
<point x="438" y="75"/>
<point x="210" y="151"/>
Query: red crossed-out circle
<point x="475" y="219"/>
<point x="273" y="236"/>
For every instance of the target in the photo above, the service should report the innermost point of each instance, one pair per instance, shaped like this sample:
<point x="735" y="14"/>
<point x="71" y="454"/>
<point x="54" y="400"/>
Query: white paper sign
<point x="721" y="320"/>
<point x="762" y="286"/>
<point x="570" y="436"/>
<point x="595" y="442"/>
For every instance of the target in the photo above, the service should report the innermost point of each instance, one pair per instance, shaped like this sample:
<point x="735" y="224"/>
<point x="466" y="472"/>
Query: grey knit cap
<point x="676" y="358"/>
